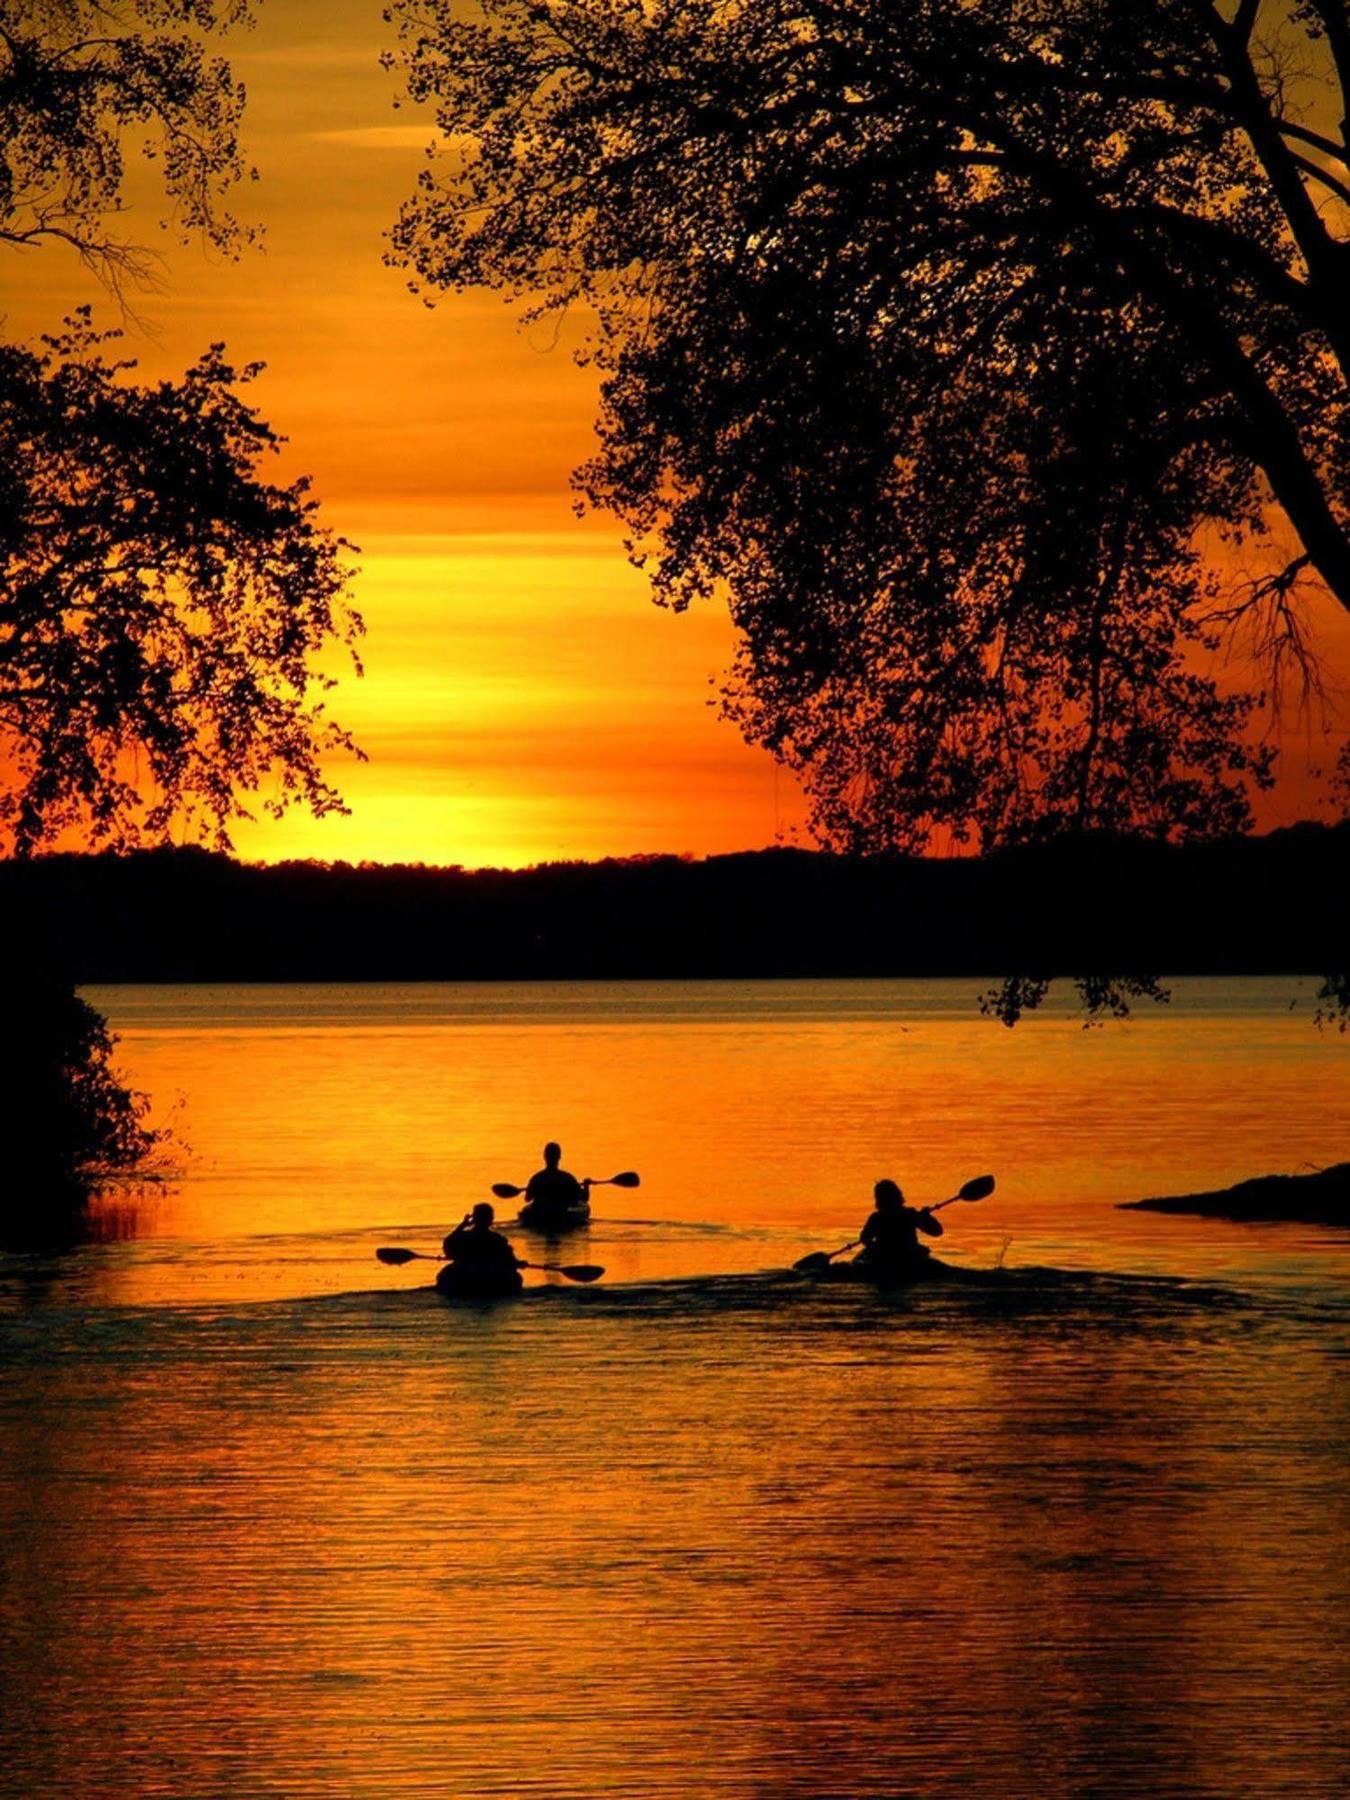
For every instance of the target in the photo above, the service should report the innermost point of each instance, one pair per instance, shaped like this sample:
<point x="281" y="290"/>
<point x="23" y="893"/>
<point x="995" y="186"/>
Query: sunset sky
<point x="523" y="700"/>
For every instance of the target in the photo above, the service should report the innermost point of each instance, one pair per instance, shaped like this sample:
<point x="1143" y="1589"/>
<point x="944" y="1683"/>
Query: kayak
<point x="457" y="1281"/>
<point x="554" y="1219"/>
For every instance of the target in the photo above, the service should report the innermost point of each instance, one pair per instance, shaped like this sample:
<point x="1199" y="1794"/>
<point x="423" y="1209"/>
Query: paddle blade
<point x="393" y="1253"/>
<point x="809" y="1265"/>
<point x="629" y="1178"/>
<point x="506" y="1190"/>
<point x="978" y="1189"/>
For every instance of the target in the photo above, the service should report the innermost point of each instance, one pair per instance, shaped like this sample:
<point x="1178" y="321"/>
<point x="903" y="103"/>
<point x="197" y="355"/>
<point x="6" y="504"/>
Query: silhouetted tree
<point x="937" y="333"/>
<point x="64" y="1115"/>
<point x="80" y="80"/>
<point x="161" y="603"/>
<point x="970" y="349"/>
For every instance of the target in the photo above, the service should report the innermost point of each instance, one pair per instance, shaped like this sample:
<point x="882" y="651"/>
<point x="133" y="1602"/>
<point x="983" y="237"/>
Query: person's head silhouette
<point x="552" y="1155"/>
<point x="887" y="1196"/>
<point x="483" y="1215"/>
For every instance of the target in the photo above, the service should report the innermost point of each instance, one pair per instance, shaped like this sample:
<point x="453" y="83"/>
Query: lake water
<point x="275" y="1521"/>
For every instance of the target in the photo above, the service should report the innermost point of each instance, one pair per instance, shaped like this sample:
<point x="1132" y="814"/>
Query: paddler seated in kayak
<point x="474" y="1247"/>
<point x="890" y="1237"/>
<point x="552" y="1189"/>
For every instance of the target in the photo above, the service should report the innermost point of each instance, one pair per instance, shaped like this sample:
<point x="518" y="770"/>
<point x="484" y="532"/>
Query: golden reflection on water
<point x="275" y="1522"/>
<point x="321" y="1119"/>
<point x="798" y="1547"/>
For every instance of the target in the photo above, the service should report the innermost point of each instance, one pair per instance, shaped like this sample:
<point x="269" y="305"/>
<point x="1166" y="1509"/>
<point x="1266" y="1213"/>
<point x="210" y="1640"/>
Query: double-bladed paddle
<point x="396" y="1256"/>
<point x="629" y="1178"/>
<point x="978" y="1188"/>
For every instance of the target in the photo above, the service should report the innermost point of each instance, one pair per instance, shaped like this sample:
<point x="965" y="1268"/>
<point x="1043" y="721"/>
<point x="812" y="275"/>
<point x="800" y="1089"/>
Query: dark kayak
<point x="554" y="1219"/>
<point x="461" y="1281"/>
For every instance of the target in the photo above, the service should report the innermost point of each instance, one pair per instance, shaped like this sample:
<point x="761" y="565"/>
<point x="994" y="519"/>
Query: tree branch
<point x="1336" y="23"/>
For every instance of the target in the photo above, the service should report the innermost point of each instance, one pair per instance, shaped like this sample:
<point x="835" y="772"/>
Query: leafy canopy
<point x="81" y="81"/>
<point x="163" y="606"/>
<point x="161" y="602"/>
<point x="968" y="349"/>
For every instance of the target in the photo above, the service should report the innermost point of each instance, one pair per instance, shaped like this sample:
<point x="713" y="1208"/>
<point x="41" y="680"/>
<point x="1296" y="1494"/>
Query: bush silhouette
<point x="65" y="1116"/>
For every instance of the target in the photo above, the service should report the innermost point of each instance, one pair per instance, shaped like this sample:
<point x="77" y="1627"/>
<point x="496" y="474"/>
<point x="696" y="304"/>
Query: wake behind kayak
<point x="930" y="1269"/>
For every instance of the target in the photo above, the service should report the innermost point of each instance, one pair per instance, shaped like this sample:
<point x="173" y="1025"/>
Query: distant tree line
<point x="1069" y="908"/>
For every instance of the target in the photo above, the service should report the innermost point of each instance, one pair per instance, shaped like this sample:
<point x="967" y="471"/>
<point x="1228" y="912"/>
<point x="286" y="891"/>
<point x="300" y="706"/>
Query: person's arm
<point x="453" y="1239"/>
<point x="927" y="1222"/>
<point x="869" y="1230"/>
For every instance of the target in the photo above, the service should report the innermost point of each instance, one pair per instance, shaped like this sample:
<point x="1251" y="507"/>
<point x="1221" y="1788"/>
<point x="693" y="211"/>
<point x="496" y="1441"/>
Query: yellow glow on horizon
<point x="537" y="717"/>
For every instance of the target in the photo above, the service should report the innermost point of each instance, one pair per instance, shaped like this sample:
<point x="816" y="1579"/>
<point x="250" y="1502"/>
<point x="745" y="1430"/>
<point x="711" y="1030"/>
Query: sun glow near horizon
<point x="521" y="704"/>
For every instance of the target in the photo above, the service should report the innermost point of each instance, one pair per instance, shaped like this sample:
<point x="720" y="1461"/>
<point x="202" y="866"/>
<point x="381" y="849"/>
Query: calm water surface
<point x="275" y="1521"/>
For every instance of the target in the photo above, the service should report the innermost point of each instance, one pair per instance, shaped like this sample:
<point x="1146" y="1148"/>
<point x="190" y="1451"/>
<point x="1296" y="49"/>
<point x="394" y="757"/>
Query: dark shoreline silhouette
<point x="1267" y="905"/>
<point x="1321" y="1197"/>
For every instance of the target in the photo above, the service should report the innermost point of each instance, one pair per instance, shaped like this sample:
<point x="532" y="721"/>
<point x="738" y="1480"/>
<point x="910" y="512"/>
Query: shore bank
<point x="1321" y="1197"/>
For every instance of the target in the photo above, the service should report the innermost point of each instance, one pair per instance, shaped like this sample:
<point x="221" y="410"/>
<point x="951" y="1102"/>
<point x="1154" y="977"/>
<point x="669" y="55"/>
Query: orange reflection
<point x="337" y="1549"/>
<point x="324" y="1121"/>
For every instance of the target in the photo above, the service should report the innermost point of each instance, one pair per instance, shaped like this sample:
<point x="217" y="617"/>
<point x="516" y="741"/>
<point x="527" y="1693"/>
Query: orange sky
<point x="523" y="700"/>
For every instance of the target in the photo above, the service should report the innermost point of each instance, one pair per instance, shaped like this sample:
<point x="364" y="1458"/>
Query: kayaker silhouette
<point x="890" y="1237"/>
<point x="551" y="1188"/>
<point x="480" y="1260"/>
